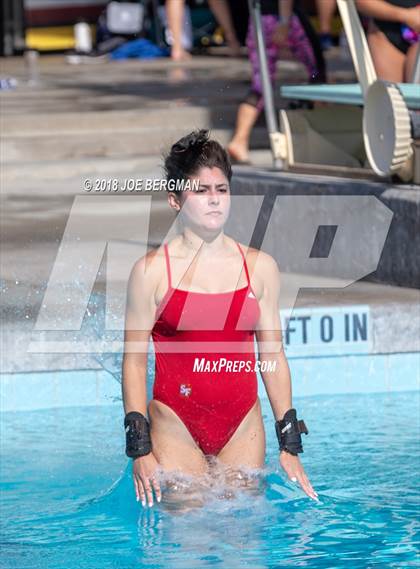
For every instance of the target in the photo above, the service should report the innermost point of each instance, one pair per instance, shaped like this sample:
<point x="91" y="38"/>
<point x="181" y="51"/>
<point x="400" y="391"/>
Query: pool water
<point x="67" y="496"/>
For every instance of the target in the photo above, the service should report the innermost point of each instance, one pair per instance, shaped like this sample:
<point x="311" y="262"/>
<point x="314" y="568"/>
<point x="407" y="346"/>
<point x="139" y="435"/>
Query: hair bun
<point x="193" y="141"/>
<point x="194" y="151"/>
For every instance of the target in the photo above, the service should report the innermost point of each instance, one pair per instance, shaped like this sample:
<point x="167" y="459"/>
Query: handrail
<point x="359" y="49"/>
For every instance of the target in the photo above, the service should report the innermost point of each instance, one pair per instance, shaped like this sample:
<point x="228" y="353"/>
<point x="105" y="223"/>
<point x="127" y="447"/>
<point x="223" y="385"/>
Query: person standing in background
<point x="283" y="21"/>
<point x="393" y="36"/>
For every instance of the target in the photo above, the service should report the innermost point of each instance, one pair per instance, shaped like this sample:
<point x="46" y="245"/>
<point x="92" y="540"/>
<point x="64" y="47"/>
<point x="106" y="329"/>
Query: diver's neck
<point x="210" y="244"/>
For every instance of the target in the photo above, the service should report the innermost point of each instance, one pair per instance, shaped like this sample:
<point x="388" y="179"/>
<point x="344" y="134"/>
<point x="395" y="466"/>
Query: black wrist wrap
<point x="137" y="435"/>
<point x="288" y="432"/>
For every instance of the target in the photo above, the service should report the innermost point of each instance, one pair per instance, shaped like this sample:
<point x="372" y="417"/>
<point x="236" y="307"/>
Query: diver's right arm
<point x="139" y="321"/>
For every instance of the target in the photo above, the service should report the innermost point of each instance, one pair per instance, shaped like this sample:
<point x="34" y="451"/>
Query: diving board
<point x="377" y="114"/>
<point x="346" y="94"/>
<point x="370" y="127"/>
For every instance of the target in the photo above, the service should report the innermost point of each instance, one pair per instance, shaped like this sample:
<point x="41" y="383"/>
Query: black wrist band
<point x="288" y="432"/>
<point x="137" y="435"/>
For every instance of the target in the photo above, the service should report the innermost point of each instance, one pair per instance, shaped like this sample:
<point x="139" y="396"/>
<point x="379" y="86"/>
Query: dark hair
<point x="195" y="151"/>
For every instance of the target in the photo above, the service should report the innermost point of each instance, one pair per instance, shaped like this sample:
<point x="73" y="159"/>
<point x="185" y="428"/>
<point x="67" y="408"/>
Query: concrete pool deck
<point x="115" y="120"/>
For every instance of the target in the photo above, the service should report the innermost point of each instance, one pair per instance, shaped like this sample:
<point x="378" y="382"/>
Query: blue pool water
<point x="67" y="498"/>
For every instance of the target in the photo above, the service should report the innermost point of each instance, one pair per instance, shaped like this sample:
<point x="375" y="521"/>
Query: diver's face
<point x="206" y="205"/>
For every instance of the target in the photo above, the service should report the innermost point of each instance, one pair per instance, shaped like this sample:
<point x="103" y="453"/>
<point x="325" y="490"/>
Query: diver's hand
<point x="294" y="469"/>
<point x="145" y="482"/>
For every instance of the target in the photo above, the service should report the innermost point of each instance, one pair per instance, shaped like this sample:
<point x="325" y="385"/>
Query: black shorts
<point x="392" y="31"/>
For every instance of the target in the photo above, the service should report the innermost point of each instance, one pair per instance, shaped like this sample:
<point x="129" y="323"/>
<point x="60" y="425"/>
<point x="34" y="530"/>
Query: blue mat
<point x="140" y="49"/>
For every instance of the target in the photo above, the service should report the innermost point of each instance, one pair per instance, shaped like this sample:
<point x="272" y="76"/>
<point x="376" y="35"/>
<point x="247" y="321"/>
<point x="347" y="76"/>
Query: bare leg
<point x="187" y="475"/>
<point x="325" y="9"/>
<point x="388" y="60"/>
<point x="173" y="445"/>
<point x="246" y="448"/>
<point x="181" y="493"/>
<point x="182" y="464"/>
<point x="242" y="458"/>
<point x="175" y="17"/>
<point x="238" y="147"/>
<point x="222" y="13"/>
<point x="410" y="61"/>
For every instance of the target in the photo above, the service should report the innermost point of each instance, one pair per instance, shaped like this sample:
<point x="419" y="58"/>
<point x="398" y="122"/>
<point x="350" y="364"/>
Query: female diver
<point x="203" y="297"/>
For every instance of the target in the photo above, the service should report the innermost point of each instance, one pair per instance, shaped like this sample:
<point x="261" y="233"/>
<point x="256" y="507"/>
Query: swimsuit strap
<point x="245" y="265"/>
<point x="168" y="266"/>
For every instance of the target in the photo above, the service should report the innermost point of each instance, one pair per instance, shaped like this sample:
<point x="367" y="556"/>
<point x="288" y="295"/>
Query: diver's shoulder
<point x="143" y="262"/>
<point x="259" y="258"/>
<point x="149" y="267"/>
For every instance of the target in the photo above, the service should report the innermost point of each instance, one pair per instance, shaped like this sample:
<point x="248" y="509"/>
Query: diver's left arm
<point x="276" y="376"/>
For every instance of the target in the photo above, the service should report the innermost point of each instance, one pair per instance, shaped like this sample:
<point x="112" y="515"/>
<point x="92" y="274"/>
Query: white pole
<point x="270" y="112"/>
<point x="358" y="45"/>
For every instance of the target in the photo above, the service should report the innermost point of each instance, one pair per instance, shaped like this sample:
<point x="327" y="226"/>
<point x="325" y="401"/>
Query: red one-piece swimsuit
<point x="205" y="359"/>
